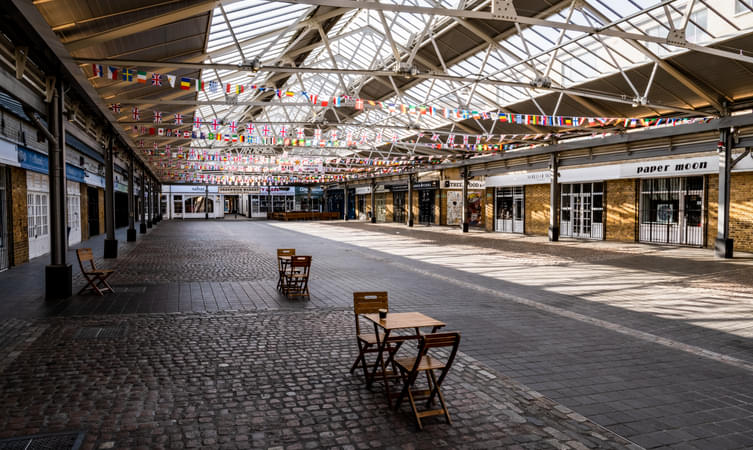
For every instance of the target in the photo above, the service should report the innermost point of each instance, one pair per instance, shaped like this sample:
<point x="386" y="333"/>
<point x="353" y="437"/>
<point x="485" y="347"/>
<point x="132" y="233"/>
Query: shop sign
<point x="120" y="187"/>
<point x="239" y="190"/>
<point x="94" y="180"/>
<point x="276" y="190"/>
<point x="380" y="189"/>
<point x="30" y="160"/>
<point x="363" y="190"/>
<point x="74" y="173"/>
<point x="670" y="167"/>
<point x="425" y="185"/>
<point x="197" y="189"/>
<point x="8" y="153"/>
<point x="397" y="187"/>
<point x="458" y="184"/>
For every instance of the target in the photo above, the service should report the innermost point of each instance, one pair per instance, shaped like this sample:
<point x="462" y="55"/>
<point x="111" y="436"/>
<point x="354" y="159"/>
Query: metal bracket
<point x="739" y="158"/>
<point x="21" y="53"/>
<point x="677" y="37"/>
<point x="49" y="89"/>
<point x="504" y="9"/>
<point x="72" y="112"/>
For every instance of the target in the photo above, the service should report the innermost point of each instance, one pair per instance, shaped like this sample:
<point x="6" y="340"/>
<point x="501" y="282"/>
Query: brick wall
<point x="20" y="226"/>
<point x="712" y="209"/>
<point x="741" y="211"/>
<point x="537" y="209"/>
<point x="443" y="206"/>
<point x="437" y="206"/>
<point x="415" y="205"/>
<point x="620" y="210"/>
<point x="489" y="210"/>
<point x="389" y="207"/>
<point x="101" y="201"/>
<point x="84" y="213"/>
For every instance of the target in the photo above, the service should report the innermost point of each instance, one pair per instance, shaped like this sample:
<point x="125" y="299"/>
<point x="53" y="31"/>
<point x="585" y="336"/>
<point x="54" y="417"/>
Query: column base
<point x="554" y="234"/>
<point x="58" y="281"/>
<point x="149" y="223"/>
<point x="410" y="222"/>
<point x="723" y="248"/>
<point x="465" y="227"/>
<point x="131" y="235"/>
<point x="142" y="228"/>
<point x="373" y="220"/>
<point x="111" y="248"/>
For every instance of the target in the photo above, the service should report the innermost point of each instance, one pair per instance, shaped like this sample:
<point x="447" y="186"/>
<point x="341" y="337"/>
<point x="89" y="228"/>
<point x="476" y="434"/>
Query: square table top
<point x="397" y="321"/>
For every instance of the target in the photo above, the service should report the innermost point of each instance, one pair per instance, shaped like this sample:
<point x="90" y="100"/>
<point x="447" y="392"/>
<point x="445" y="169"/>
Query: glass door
<point x="581" y="210"/>
<point x="398" y="204"/>
<point x="426" y="206"/>
<point x="672" y="211"/>
<point x="381" y="209"/>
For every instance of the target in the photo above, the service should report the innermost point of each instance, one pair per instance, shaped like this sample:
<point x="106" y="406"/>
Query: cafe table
<point x="395" y="322"/>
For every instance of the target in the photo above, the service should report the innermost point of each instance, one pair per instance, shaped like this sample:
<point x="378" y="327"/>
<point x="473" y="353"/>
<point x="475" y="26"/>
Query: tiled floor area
<point x="653" y="343"/>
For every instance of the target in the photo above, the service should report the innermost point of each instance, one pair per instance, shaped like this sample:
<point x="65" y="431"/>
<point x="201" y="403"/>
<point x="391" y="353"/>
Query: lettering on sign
<point x="663" y="168"/>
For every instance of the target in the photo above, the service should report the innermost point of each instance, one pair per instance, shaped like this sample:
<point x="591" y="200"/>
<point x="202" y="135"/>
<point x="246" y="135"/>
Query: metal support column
<point x="345" y="203"/>
<point x="466" y="209"/>
<point x="311" y="209"/>
<point x="270" y="210"/>
<point x="410" y="200"/>
<point x="206" y="202"/>
<point x="156" y="198"/>
<point x="58" y="274"/>
<point x="373" y="200"/>
<point x="148" y="203"/>
<point x="131" y="233"/>
<point x="142" y="200"/>
<point x="723" y="246"/>
<point x="111" y="244"/>
<point x="554" y="199"/>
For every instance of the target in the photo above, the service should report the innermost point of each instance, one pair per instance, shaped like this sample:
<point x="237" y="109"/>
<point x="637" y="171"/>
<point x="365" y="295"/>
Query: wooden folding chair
<point x="423" y="362"/>
<point x="96" y="278"/>
<point x="283" y="259"/>
<point x="296" y="277"/>
<point x="367" y="303"/>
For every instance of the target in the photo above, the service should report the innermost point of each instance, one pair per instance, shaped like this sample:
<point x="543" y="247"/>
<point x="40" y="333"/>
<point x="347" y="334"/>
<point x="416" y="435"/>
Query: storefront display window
<point x="582" y="210"/>
<point x="510" y="209"/>
<point x="671" y="210"/>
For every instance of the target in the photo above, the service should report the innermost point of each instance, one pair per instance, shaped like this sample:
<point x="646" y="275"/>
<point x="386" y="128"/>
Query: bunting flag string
<point x="130" y="75"/>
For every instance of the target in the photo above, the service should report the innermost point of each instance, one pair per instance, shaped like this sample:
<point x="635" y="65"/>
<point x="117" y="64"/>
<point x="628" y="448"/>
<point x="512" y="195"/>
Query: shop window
<point x="671" y="210"/>
<point x="178" y="204"/>
<point x="198" y="205"/>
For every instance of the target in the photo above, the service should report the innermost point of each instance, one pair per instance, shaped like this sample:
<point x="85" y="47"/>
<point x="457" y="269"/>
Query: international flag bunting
<point x="128" y="74"/>
<point x="115" y="107"/>
<point x="239" y="88"/>
<point x="156" y="79"/>
<point x="135" y="113"/>
<point x="197" y="121"/>
<point x="141" y="77"/>
<point x="289" y="94"/>
<point x="171" y="80"/>
<point x="178" y="119"/>
<point x="112" y="73"/>
<point x="233" y="126"/>
<point x="228" y="88"/>
<point x="213" y="85"/>
<point x="359" y="104"/>
<point x="215" y="125"/>
<point x="157" y="117"/>
<point x="185" y="83"/>
<point x="199" y="85"/>
<point x="97" y="70"/>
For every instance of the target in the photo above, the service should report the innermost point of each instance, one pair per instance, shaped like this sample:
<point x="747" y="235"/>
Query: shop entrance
<point x="231" y="204"/>
<point x="398" y="207"/>
<point x="381" y="208"/>
<point x="672" y="211"/>
<point x="92" y="197"/>
<point x="426" y="206"/>
<point x="510" y="209"/>
<point x="582" y="210"/>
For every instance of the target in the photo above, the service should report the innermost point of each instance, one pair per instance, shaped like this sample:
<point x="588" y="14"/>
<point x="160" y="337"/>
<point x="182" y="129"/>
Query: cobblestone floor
<point x="262" y="380"/>
<point x="654" y="343"/>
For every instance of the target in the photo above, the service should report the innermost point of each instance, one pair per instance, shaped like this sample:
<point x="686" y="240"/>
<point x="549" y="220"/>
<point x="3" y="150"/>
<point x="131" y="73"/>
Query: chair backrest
<point x="439" y="340"/>
<point x="285" y="251"/>
<point x="368" y="303"/>
<point x="300" y="264"/>
<point x="83" y="255"/>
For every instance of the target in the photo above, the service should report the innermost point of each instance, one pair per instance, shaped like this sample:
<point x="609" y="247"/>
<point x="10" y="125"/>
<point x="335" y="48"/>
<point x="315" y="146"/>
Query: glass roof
<point x="251" y="28"/>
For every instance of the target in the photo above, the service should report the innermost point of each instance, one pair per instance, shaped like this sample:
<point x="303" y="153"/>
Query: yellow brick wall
<point x="443" y="206"/>
<point x="620" y="210"/>
<point x="389" y="207"/>
<point x="741" y="211"/>
<point x="101" y="202"/>
<point x="537" y="209"/>
<point x="437" y="206"/>
<point x="712" y="209"/>
<point x="415" y="205"/>
<point x="20" y="226"/>
<point x="489" y="210"/>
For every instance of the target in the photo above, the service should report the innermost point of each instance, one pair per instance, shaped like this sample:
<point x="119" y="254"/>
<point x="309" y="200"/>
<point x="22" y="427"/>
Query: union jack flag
<point x="197" y="121"/>
<point x="300" y="133"/>
<point x="434" y="137"/>
<point x="157" y="117"/>
<point x="362" y="141"/>
<point x="451" y="140"/>
<point x="178" y="119"/>
<point x="156" y="79"/>
<point x="465" y="139"/>
<point x="317" y="134"/>
<point x="233" y="126"/>
<point x="333" y="135"/>
<point x="135" y="113"/>
<point x="283" y="131"/>
<point x="115" y="107"/>
<point x="167" y="147"/>
<point x="265" y="131"/>
<point x="250" y="128"/>
<point x="215" y="125"/>
<point x="394" y="137"/>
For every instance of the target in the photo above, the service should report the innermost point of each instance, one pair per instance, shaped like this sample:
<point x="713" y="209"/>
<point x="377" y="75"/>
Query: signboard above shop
<point x="424" y="185"/>
<point x="397" y="187"/>
<point x="458" y="184"/>
<point x="361" y="190"/>
<point x="239" y="190"/>
<point x="675" y="167"/>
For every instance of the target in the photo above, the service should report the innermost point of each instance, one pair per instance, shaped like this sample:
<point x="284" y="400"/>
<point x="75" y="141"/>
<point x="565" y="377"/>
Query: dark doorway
<point x="426" y="206"/>
<point x="121" y="209"/>
<point x="335" y="201"/>
<point x="351" y="204"/>
<point x="92" y="195"/>
<point x="398" y="207"/>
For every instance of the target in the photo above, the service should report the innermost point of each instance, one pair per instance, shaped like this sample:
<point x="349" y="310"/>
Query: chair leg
<point x="360" y="358"/>
<point x="438" y="392"/>
<point x="415" y="411"/>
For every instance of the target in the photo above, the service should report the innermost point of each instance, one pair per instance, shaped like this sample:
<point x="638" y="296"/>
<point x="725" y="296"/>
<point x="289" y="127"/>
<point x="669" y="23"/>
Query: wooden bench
<point x="96" y="278"/>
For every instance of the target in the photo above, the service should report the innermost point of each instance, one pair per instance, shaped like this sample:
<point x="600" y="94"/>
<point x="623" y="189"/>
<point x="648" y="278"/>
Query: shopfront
<point x="363" y="197"/>
<point x="192" y="202"/>
<point x="582" y="210"/>
<point x="672" y="210"/>
<point x="380" y="203"/>
<point x="74" y="176"/>
<point x="399" y="204"/>
<point x="306" y="202"/>
<point x="454" y="202"/>
<point x="335" y="201"/>
<point x="427" y="191"/>
<point x="510" y="209"/>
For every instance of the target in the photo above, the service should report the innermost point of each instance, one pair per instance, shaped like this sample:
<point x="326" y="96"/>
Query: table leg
<point x="381" y="344"/>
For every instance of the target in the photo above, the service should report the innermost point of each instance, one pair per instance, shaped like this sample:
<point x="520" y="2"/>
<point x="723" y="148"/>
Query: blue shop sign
<point x="74" y="173"/>
<point x="37" y="162"/>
